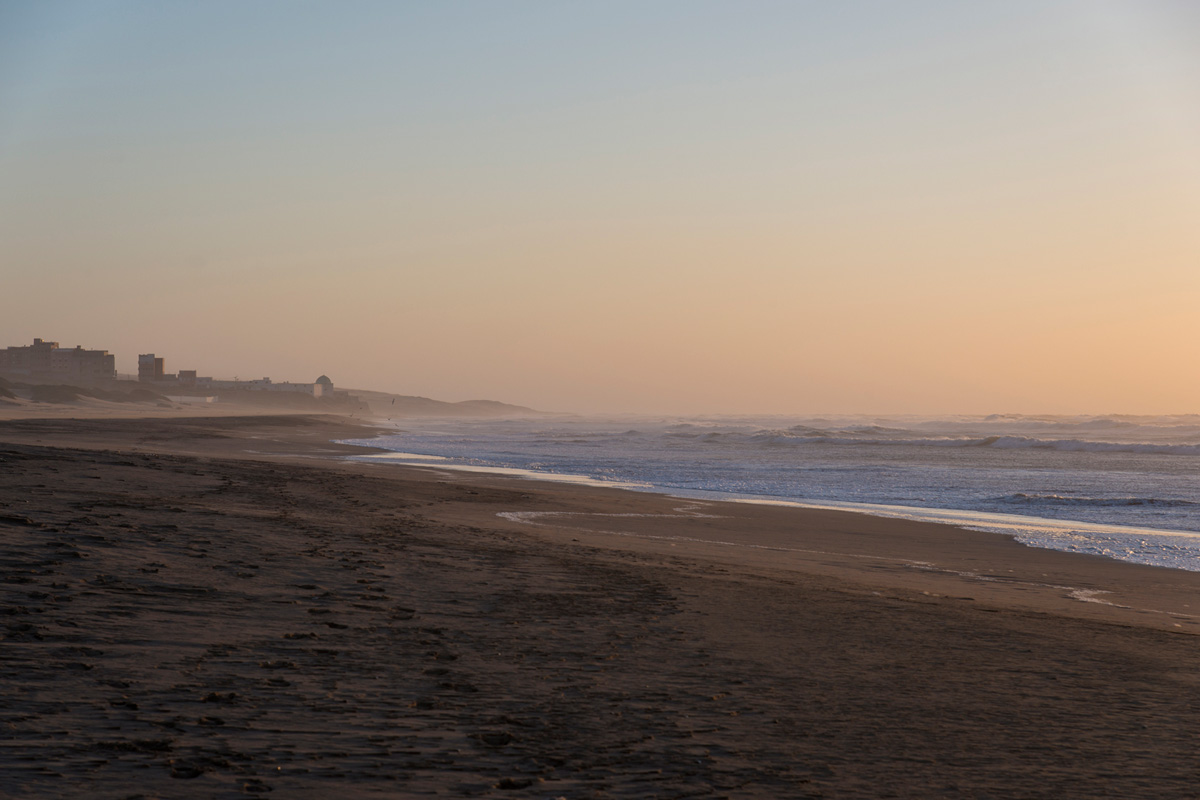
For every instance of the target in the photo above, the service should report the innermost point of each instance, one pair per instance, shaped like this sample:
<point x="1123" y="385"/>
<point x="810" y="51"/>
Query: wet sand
<point x="214" y="608"/>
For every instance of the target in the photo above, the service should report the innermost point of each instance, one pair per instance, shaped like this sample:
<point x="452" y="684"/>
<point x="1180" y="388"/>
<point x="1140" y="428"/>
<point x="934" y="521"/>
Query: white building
<point x="318" y="388"/>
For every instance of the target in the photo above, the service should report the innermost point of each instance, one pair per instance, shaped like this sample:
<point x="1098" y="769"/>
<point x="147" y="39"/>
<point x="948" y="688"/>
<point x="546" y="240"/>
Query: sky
<point x="676" y="206"/>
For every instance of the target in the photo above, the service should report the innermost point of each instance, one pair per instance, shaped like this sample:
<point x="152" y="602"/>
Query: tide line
<point x="537" y="519"/>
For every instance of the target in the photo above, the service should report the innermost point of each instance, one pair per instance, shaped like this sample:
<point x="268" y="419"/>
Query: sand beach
<point x="220" y="607"/>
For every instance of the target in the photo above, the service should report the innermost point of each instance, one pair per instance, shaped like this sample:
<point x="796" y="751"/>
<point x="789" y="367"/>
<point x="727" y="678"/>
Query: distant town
<point x="49" y="362"/>
<point x="46" y="372"/>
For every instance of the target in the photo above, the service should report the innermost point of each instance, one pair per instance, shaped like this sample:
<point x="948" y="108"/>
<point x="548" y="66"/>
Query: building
<point x="34" y="358"/>
<point x="48" y="360"/>
<point x="150" y="368"/>
<point x="315" y="389"/>
<point x="75" y="362"/>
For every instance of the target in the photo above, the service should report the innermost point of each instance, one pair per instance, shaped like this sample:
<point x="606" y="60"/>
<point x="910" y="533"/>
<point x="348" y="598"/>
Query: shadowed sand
<point x="213" y="608"/>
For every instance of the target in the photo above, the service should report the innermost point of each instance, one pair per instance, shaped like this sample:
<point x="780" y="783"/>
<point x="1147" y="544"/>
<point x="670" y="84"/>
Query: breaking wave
<point x="1021" y="498"/>
<point x="792" y="436"/>
<point x="1084" y="445"/>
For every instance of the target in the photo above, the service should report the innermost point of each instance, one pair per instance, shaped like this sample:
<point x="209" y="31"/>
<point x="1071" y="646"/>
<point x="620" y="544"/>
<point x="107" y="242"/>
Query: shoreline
<point x="1023" y="528"/>
<point x="319" y="440"/>
<point x="214" y="606"/>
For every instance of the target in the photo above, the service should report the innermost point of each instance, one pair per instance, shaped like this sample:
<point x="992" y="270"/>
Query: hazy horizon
<point x="677" y="208"/>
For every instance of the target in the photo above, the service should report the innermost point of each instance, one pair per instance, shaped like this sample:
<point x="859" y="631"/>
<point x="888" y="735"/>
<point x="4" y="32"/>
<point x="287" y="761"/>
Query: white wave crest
<point x="785" y="437"/>
<point x="1022" y="498"/>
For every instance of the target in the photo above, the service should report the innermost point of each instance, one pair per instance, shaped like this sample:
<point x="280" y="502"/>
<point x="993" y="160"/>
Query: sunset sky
<point x="677" y="207"/>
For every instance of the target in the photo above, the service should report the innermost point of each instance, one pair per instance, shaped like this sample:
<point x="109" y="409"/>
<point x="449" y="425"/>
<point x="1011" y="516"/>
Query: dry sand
<point x="214" y="608"/>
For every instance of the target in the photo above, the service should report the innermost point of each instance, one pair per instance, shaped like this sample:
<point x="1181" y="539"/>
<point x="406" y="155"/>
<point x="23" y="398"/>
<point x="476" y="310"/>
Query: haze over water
<point x="676" y="207"/>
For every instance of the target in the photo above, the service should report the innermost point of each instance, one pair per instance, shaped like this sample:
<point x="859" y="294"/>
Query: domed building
<point x="323" y="386"/>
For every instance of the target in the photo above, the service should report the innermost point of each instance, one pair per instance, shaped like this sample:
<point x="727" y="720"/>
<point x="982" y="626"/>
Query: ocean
<point x="1124" y="487"/>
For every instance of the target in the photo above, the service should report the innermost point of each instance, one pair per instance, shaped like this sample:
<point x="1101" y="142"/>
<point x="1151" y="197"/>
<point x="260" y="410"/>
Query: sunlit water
<point x="1126" y="487"/>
